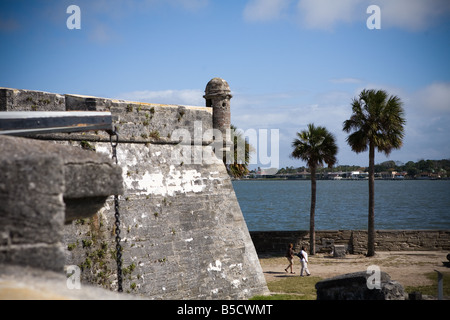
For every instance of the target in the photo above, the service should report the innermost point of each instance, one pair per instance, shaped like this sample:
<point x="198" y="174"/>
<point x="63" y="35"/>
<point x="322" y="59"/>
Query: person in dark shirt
<point x="290" y="256"/>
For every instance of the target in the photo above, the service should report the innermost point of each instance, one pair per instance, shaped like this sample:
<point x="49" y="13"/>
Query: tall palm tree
<point x="376" y="122"/>
<point x="315" y="145"/>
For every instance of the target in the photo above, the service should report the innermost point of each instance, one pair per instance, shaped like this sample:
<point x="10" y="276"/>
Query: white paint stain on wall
<point x="217" y="267"/>
<point x="177" y="180"/>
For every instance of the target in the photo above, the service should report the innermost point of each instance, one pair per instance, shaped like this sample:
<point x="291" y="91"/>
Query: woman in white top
<point x="304" y="260"/>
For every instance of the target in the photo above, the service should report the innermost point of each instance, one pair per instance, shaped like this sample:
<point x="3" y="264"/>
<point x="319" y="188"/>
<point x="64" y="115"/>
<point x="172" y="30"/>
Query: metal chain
<point x="114" y="144"/>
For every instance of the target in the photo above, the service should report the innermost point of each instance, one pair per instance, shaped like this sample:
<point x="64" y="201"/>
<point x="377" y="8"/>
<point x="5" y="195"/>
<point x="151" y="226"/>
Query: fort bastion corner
<point x="183" y="235"/>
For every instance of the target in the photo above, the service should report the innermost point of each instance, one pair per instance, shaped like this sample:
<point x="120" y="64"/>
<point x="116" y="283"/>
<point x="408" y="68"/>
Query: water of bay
<point x="341" y="204"/>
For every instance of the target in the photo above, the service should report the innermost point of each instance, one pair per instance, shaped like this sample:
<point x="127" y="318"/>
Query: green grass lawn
<point x="433" y="289"/>
<point x="292" y="288"/>
<point x="303" y="288"/>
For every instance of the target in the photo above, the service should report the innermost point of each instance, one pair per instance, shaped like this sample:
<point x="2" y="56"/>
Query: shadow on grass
<point x="281" y="274"/>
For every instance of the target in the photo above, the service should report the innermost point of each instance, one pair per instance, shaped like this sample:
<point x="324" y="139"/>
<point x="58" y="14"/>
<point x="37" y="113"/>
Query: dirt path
<point x="406" y="267"/>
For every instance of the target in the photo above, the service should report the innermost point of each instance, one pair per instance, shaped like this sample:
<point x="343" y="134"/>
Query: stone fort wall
<point x="183" y="233"/>
<point x="354" y="241"/>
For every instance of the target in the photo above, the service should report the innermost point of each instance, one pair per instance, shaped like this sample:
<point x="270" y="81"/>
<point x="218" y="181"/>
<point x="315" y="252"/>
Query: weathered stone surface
<point x="28" y="100"/>
<point x="31" y="210"/>
<point x="183" y="234"/>
<point x="353" y="286"/>
<point x="146" y="122"/>
<point x="218" y="95"/>
<point x="338" y="251"/>
<point x="354" y="241"/>
<point x="89" y="178"/>
<point x="35" y="178"/>
<point x="135" y="121"/>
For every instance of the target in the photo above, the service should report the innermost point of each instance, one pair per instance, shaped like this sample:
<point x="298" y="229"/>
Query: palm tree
<point x="315" y="146"/>
<point x="240" y="155"/>
<point x="377" y="121"/>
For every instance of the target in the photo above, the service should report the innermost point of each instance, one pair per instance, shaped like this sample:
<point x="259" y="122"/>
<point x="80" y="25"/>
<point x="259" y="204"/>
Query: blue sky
<point x="288" y="62"/>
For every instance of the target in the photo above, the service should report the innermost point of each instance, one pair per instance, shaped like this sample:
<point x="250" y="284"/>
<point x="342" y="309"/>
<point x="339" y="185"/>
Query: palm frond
<point x="237" y="158"/>
<point x="315" y="146"/>
<point x="376" y="118"/>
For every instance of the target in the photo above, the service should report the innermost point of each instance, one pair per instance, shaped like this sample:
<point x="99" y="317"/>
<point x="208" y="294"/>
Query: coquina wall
<point x="183" y="233"/>
<point x="355" y="241"/>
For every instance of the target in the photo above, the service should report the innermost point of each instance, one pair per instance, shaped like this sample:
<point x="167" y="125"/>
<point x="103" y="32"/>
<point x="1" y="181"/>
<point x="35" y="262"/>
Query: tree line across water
<point x="412" y="168"/>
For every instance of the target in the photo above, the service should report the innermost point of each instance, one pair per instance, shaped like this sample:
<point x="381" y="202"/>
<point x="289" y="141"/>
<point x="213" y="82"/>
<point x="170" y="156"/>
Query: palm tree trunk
<point x="371" y="221"/>
<point x="312" y="233"/>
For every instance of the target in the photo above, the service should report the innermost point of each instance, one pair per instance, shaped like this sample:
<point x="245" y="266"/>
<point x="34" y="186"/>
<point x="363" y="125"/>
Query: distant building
<point x="428" y="176"/>
<point x="400" y="175"/>
<point x="358" y="175"/>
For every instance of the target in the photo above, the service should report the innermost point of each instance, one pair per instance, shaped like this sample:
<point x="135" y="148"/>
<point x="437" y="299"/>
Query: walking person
<point x="290" y="257"/>
<point x="304" y="260"/>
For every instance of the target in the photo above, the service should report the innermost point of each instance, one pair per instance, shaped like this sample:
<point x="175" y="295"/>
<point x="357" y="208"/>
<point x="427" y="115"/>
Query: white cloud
<point x="290" y="110"/>
<point x="431" y="100"/>
<point x="409" y="15"/>
<point x="192" y="97"/>
<point x="412" y="15"/>
<point x="428" y="114"/>
<point x="326" y="14"/>
<point x="265" y="10"/>
<point x="434" y="98"/>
